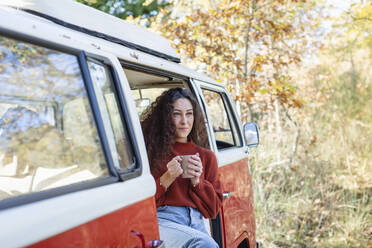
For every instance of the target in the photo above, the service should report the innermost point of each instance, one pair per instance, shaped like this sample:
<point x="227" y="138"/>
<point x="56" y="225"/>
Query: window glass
<point x="102" y="80"/>
<point x="48" y="136"/>
<point x="224" y="129"/>
<point x="144" y="97"/>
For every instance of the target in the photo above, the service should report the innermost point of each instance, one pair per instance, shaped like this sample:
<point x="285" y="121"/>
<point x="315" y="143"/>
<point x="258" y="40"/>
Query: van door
<point x="73" y="164"/>
<point x="236" y="219"/>
<point x="134" y="222"/>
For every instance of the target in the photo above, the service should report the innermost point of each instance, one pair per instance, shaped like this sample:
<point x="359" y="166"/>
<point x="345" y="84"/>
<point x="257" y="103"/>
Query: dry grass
<point x="322" y="199"/>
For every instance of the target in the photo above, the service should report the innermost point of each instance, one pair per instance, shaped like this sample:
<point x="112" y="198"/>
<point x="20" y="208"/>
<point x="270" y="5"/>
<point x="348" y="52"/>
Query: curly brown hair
<point x="159" y="131"/>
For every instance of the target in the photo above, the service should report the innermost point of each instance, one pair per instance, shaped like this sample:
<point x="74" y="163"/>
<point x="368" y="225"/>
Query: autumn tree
<point x="249" y="45"/>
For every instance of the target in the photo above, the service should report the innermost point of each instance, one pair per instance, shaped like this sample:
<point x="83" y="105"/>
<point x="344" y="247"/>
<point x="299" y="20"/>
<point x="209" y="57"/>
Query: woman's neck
<point x="181" y="140"/>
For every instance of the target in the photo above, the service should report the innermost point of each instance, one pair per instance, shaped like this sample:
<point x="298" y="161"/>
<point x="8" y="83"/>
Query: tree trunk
<point x="237" y="92"/>
<point x="297" y="138"/>
<point x="246" y="53"/>
<point x="278" y="127"/>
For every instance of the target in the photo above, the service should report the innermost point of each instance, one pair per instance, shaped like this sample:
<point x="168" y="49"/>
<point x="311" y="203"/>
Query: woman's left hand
<point x="195" y="169"/>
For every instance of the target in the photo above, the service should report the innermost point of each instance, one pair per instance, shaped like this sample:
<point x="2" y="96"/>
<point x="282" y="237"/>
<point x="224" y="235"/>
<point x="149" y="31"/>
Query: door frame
<point x="226" y="156"/>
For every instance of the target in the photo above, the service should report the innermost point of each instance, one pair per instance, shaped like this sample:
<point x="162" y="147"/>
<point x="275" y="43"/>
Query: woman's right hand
<point x="174" y="167"/>
<point x="174" y="171"/>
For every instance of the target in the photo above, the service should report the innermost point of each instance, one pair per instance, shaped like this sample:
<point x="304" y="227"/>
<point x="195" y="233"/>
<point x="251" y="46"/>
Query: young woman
<point x="172" y="127"/>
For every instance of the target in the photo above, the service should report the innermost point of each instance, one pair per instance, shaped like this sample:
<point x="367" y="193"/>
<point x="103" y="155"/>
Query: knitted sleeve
<point x="207" y="195"/>
<point x="160" y="192"/>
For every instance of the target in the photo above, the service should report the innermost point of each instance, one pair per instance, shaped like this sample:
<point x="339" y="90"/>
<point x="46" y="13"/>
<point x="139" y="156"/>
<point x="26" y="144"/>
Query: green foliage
<point x="125" y="8"/>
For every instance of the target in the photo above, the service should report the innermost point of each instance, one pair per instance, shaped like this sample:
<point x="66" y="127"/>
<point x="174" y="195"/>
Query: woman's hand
<point x="195" y="169"/>
<point x="174" y="167"/>
<point x="174" y="170"/>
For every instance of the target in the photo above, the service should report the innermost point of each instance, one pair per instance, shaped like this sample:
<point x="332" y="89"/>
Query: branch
<point x="247" y="39"/>
<point x="361" y="18"/>
<point x="263" y="5"/>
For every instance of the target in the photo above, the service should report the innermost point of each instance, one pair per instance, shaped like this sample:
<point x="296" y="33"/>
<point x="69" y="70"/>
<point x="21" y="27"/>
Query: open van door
<point x="75" y="172"/>
<point x="236" y="221"/>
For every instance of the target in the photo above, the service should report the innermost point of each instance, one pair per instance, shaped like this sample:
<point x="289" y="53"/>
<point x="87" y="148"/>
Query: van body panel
<point x="37" y="221"/>
<point x="238" y="212"/>
<point x="111" y="230"/>
<point x="225" y="158"/>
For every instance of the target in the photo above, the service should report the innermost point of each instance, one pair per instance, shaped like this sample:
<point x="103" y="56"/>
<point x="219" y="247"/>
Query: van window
<point x="224" y="128"/>
<point x="144" y="97"/>
<point x="48" y="136"/>
<point x="101" y="78"/>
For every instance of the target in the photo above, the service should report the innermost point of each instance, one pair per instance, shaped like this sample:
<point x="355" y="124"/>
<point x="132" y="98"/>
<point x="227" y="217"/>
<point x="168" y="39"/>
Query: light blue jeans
<point x="183" y="227"/>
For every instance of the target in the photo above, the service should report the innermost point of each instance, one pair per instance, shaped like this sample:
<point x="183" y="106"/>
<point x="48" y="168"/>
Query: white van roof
<point x="77" y="16"/>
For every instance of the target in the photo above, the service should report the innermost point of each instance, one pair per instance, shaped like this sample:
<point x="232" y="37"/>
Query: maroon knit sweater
<point x="206" y="196"/>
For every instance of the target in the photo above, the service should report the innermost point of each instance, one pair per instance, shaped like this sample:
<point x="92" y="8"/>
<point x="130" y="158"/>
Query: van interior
<point x="147" y="87"/>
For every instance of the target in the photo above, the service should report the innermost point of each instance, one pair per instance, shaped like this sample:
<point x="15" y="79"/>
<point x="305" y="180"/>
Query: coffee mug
<point x="185" y="162"/>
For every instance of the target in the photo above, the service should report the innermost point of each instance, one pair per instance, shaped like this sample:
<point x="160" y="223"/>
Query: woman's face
<point x="183" y="118"/>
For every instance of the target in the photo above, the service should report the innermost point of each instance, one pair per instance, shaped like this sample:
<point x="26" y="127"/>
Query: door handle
<point x="140" y="236"/>
<point x="226" y="195"/>
<point x="149" y="244"/>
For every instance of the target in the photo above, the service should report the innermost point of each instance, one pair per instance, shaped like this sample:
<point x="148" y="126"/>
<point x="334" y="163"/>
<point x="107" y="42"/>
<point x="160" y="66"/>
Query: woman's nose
<point x="183" y="119"/>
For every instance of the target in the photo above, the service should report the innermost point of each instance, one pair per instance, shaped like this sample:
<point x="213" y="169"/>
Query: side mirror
<point x="251" y="134"/>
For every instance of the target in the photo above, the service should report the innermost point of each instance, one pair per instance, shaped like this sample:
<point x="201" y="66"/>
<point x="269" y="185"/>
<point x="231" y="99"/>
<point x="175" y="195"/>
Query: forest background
<point x="300" y="69"/>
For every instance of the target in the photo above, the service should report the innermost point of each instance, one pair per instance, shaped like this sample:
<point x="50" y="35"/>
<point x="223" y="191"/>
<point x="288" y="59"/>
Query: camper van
<point x="74" y="170"/>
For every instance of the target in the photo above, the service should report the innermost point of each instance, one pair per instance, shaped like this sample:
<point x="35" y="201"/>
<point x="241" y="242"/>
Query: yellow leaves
<point x="213" y="12"/>
<point x="230" y="26"/>
<point x="189" y="19"/>
<point x="255" y="82"/>
<point x="217" y="36"/>
<point x="297" y="103"/>
<point x="263" y="91"/>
